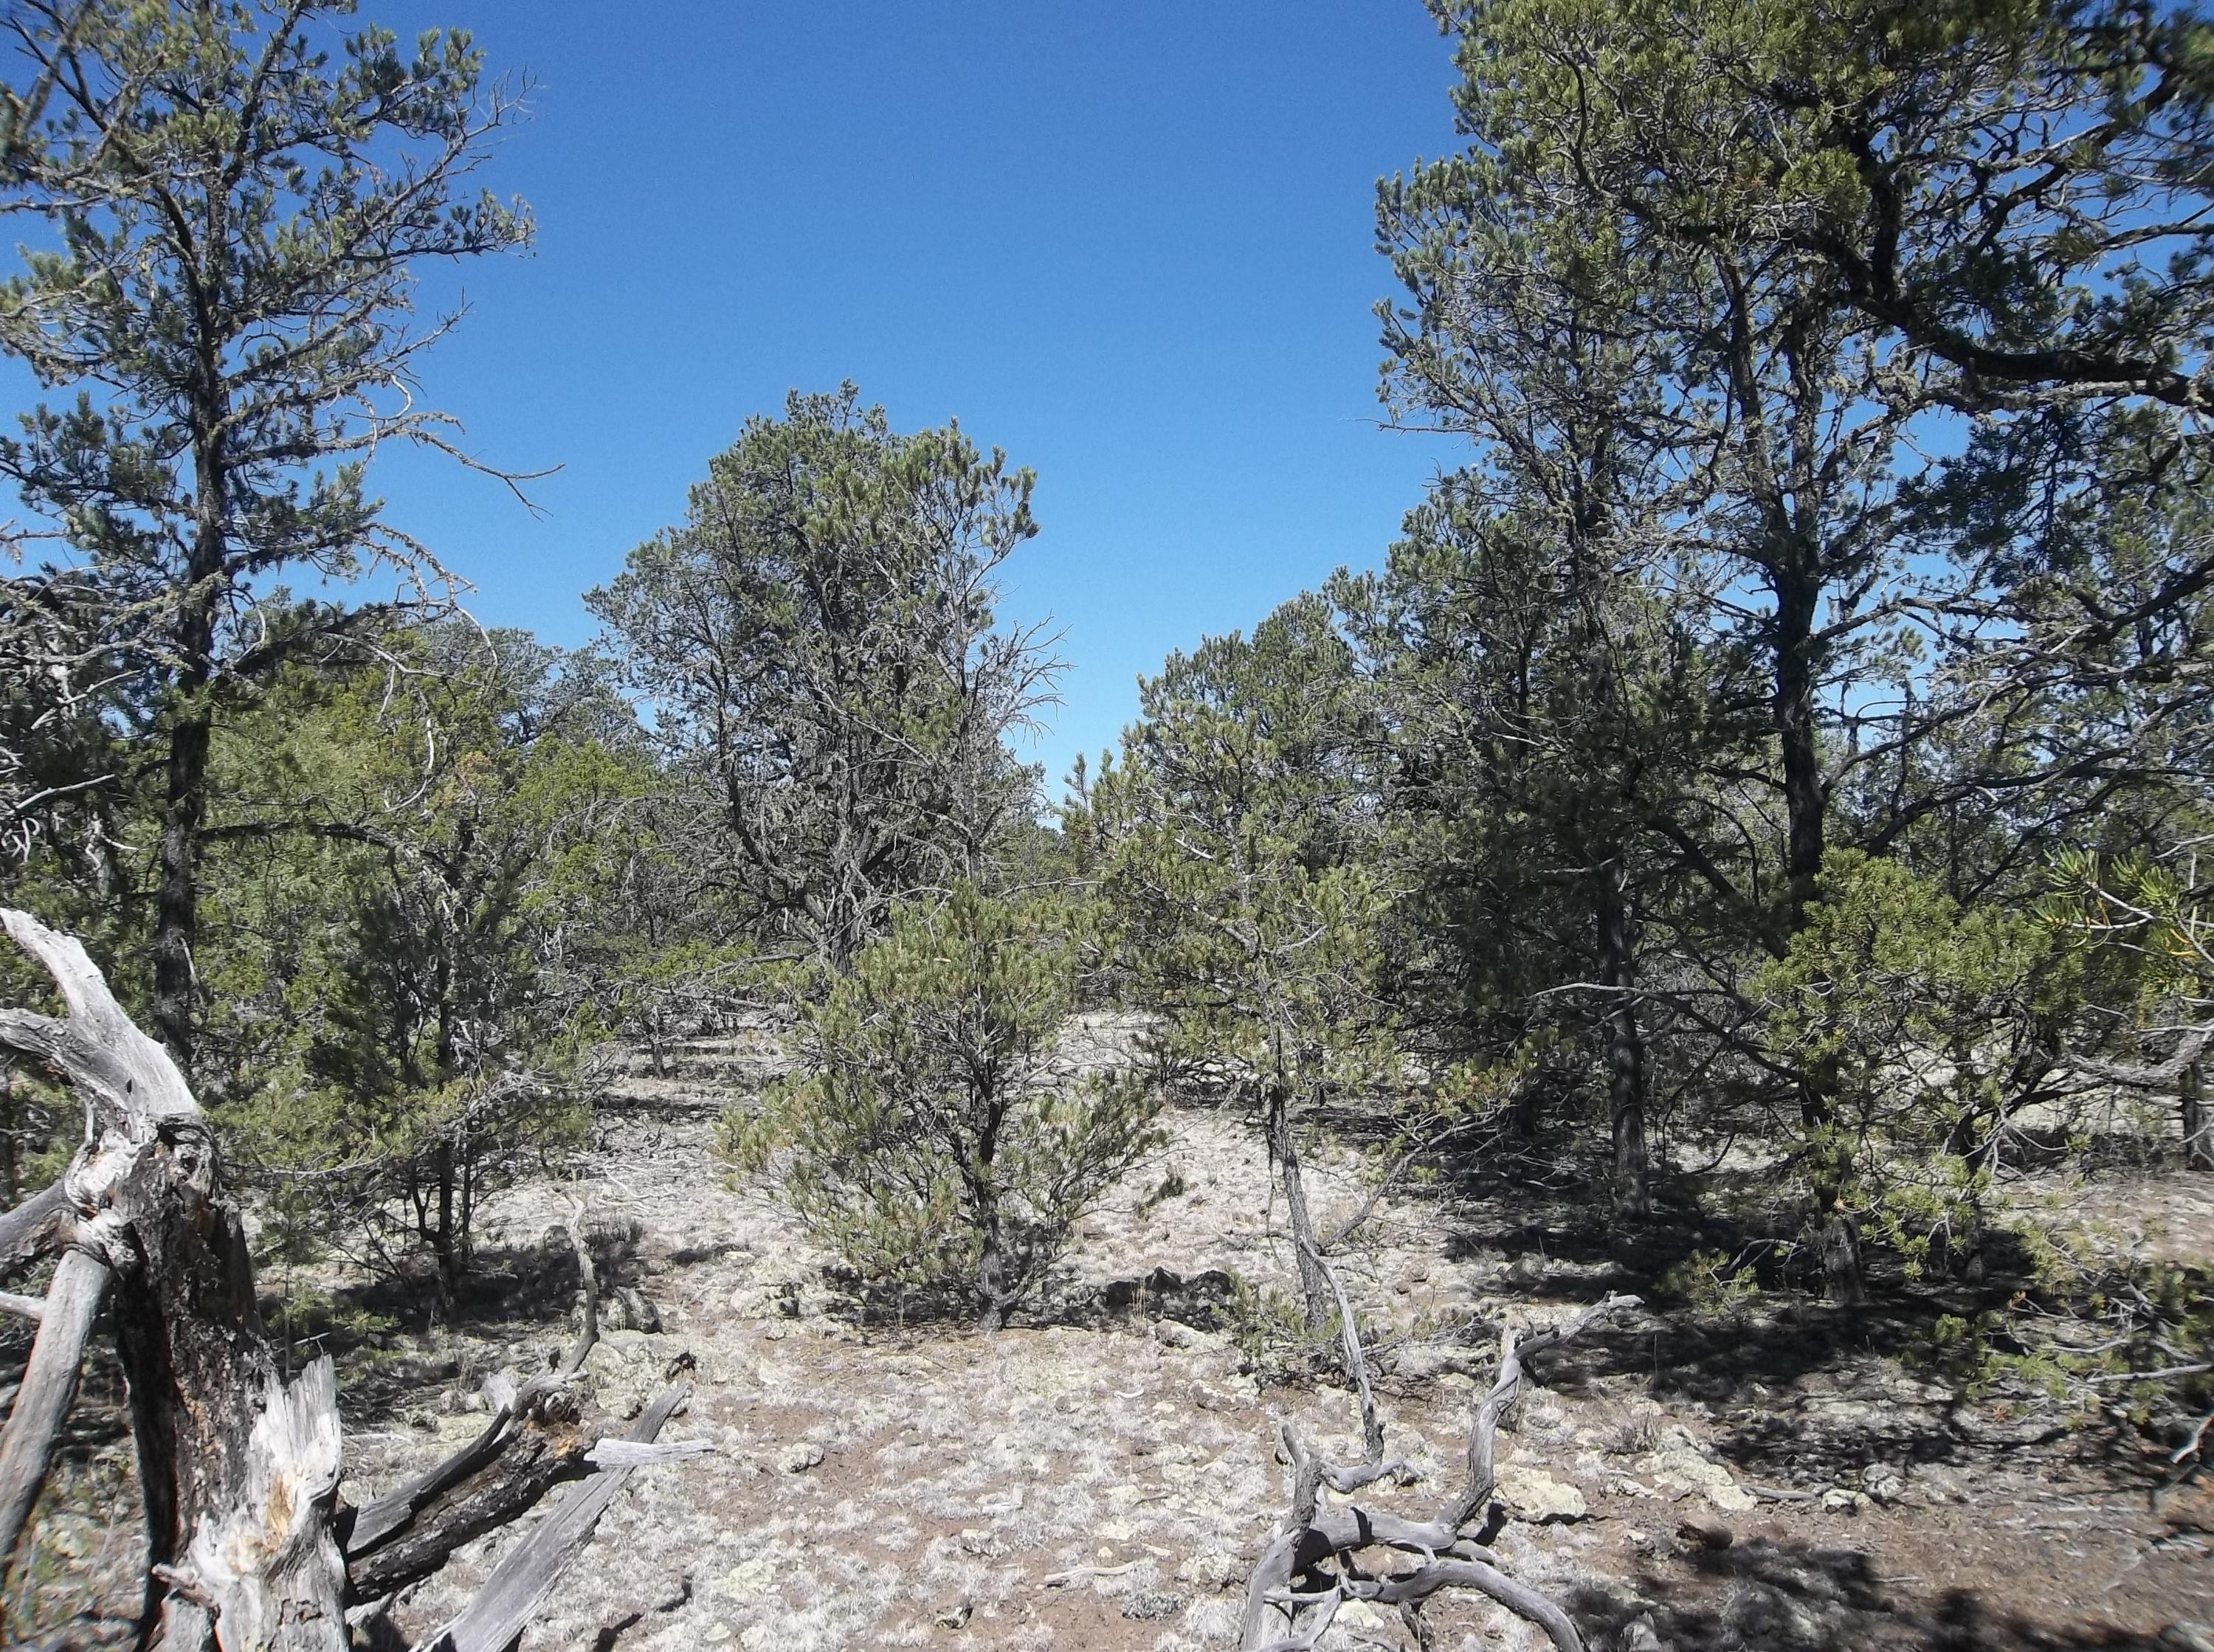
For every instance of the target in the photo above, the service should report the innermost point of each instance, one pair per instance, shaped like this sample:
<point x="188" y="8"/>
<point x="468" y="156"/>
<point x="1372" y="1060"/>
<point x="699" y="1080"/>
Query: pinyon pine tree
<point x="935" y="1136"/>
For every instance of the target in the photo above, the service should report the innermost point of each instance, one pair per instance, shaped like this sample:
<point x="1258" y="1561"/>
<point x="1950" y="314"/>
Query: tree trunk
<point x="991" y="1261"/>
<point x="176" y="900"/>
<point x="191" y="728"/>
<point x="238" y="1468"/>
<point x="1314" y="1285"/>
<point x="1797" y="599"/>
<point x="2197" y="1127"/>
<point x="1625" y="1051"/>
<point x="443" y="1243"/>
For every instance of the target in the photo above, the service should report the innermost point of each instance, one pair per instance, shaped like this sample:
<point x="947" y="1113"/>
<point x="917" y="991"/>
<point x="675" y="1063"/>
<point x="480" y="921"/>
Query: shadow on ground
<point x="1769" y="1597"/>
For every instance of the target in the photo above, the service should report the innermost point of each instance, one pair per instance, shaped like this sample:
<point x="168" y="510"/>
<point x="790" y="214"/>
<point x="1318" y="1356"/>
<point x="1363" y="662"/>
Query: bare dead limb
<point x="381" y="1520"/>
<point x="1356" y="1366"/>
<point x="526" y="1574"/>
<point x="1513" y="1354"/>
<point x="1389" y="1179"/>
<point x="587" y="1293"/>
<point x="1520" y="1598"/>
<point x="528" y="1464"/>
<point x="33" y="1309"/>
<point x="48" y="1390"/>
<point x="39" y="1227"/>
<point x="1307" y="1571"/>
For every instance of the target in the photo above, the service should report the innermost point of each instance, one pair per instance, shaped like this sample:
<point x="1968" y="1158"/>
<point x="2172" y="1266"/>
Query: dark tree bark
<point x="2197" y="1127"/>
<point x="1625" y="1053"/>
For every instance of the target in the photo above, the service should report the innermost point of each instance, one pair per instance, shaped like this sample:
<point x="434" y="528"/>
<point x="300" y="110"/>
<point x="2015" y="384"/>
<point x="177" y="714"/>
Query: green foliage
<point x="1710" y="1281"/>
<point x="1938" y="1024"/>
<point x="238" y="201"/>
<point x="933" y="1135"/>
<point x="1226" y="842"/>
<point x="1270" y="1331"/>
<point x="1995" y="186"/>
<point x="400" y="959"/>
<point x="817" y="639"/>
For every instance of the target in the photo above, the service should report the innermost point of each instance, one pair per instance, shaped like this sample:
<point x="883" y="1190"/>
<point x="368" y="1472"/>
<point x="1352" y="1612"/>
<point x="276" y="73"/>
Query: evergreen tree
<point x="818" y="641"/>
<point x="1230" y="840"/>
<point x="935" y="1136"/>
<point x="237" y="200"/>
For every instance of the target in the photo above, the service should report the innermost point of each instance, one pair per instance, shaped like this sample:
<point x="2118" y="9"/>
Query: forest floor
<point x="1103" y="1475"/>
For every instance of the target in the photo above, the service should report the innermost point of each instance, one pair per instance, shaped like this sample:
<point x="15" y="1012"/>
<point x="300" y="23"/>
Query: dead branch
<point x="528" y="1571"/>
<point x="48" y="1388"/>
<point x="588" y="1293"/>
<point x="390" y="1516"/>
<point x="1513" y="1352"/>
<point x="39" y="1227"/>
<point x="1307" y="1571"/>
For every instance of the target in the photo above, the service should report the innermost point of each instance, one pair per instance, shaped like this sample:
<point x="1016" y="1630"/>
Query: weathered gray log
<point x="630" y="1453"/>
<point x="531" y="1444"/>
<point x="528" y="1464"/>
<point x="526" y="1574"/>
<point x="238" y="1468"/>
<point x="49" y="1387"/>
<point x="378" y="1522"/>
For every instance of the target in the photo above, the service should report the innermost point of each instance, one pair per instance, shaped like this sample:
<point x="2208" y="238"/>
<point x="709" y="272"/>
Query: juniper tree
<point x="404" y="888"/>
<point x="236" y="201"/>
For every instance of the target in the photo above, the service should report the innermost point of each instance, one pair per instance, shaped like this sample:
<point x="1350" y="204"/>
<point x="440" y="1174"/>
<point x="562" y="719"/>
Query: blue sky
<point x="1131" y="244"/>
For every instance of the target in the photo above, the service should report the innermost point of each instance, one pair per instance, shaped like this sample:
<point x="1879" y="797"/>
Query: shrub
<point x="931" y="1135"/>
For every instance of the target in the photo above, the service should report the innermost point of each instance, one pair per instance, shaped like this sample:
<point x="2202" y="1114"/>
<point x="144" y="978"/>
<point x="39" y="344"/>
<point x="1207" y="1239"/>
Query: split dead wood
<point x="49" y="1387"/>
<point x="526" y="1574"/>
<point x="238" y="1466"/>
<point x="1309" y="1571"/>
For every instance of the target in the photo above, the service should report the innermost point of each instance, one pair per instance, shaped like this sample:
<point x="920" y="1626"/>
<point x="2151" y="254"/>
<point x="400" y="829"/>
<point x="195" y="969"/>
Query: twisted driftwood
<point x="1307" y="1572"/>
<point x="250" y="1550"/>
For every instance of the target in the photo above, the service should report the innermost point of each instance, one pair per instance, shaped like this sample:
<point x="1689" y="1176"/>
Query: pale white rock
<point x="1213" y="1569"/>
<point x="1883" y="1483"/>
<point x="799" y="1456"/>
<point x="1537" y="1497"/>
<point x="1680" y="1467"/>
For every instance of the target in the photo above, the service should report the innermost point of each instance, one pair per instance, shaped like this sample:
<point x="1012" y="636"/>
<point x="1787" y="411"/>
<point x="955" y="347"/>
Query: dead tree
<point x="1309" y="1571"/>
<point x="250" y="1549"/>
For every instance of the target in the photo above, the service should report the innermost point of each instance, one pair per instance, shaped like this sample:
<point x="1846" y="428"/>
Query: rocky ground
<point x="1103" y="1477"/>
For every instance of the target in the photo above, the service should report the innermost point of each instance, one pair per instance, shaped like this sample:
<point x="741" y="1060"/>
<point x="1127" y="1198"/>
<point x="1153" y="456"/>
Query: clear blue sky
<point x="1130" y="243"/>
